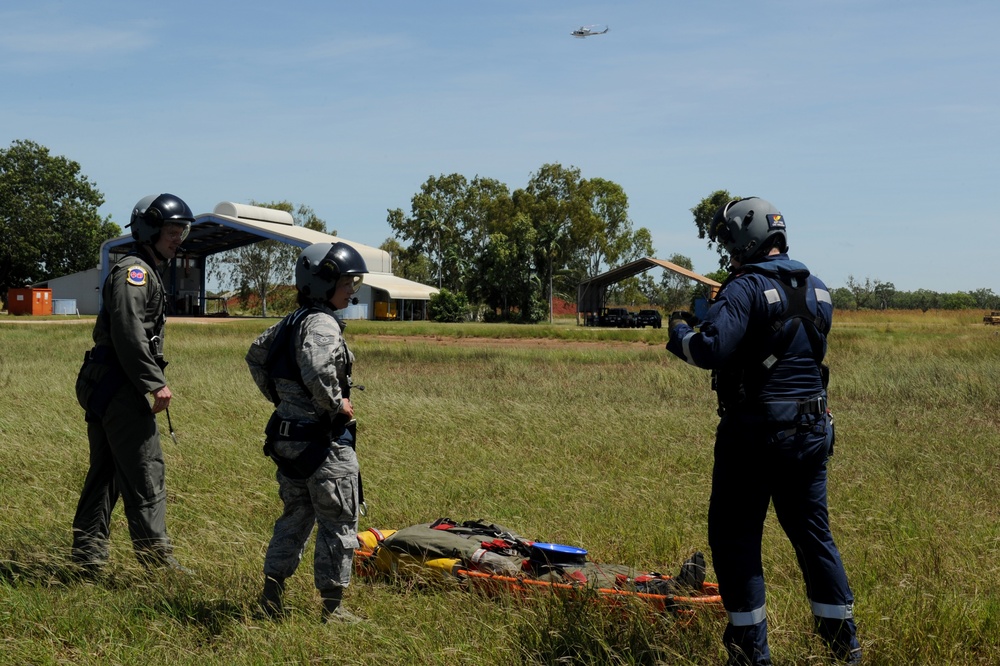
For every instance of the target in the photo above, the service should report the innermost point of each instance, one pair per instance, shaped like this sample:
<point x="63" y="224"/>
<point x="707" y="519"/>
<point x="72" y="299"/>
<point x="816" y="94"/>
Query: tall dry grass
<point x="581" y="436"/>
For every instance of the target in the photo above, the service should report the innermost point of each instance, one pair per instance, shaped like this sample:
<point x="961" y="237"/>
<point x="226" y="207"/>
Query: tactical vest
<point x="281" y="363"/>
<point x="740" y="385"/>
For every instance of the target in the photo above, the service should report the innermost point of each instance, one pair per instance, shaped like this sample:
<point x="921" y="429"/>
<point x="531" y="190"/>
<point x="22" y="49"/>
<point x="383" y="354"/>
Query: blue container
<point x="64" y="306"/>
<point x="556" y="555"/>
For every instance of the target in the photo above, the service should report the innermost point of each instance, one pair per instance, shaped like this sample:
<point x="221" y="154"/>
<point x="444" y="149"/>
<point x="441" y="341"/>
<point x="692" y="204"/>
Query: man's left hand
<point x="161" y="399"/>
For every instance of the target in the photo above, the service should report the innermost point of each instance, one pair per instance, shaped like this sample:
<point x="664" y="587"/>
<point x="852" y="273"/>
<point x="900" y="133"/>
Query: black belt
<point x="319" y="435"/>
<point x="102" y="354"/>
<point x="293" y="430"/>
<point x="776" y="411"/>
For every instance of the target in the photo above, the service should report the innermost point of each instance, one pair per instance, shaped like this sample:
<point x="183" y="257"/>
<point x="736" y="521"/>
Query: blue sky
<point x="872" y="125"/>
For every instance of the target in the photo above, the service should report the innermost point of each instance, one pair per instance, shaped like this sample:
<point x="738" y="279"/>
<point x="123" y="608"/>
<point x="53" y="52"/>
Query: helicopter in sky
<point x="589" y="30"/>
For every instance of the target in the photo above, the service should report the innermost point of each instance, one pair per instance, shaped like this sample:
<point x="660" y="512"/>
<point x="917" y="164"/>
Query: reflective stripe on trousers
<point x="747" y="619"/>
<point x="832" y="611"/>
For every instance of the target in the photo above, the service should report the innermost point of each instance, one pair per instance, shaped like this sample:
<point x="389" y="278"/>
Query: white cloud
<point x="78" y="41"/>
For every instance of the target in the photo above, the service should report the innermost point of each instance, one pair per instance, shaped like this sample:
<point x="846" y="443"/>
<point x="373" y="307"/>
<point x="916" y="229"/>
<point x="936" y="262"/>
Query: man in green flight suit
<point x="114" y="386"/>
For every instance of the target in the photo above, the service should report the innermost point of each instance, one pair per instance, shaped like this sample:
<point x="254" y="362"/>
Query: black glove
<point x="677" y="316"/>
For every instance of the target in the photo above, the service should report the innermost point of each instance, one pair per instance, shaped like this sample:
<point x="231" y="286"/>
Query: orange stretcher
<point x="495" y="561"/>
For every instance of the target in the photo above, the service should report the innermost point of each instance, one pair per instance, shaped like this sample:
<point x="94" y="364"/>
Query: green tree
<point x="925" y="299"/>
<point x="627" y="292"/>
<point x="883" y="292"/>
<point x="872" y="294"/>
<point x="304" y="216"/>
<point x="985" y="299"/>
<point x="447" y="306"/>
<point x="505" y="281"/>
<point x="49" y="224"/>
<point x="554" y="199"/>
<point x="843" y="299"/>
<point x="630" y="291"/>
<point x="407" y="263"/>
<point x="676" y="290"/>
<point x="957" y="301"/>
<point x="562" y="227"/>
<point x="703" y="214"/>
<point x="604" y="236"/>
<point x="488" y="208"/>
<point x="719" y="275"/>
<point x="434" y="226"/>
<point x="264" y="267"/>
<point x="580" y="225"/>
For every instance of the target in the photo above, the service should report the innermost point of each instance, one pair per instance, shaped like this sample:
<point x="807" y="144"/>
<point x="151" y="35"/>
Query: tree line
<point x="501" y="253"/>
<point x="509" y="252"/>
<point x="878" y="295"/>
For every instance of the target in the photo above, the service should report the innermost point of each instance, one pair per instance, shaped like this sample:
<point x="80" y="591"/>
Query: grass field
<point x="596" y="438"/>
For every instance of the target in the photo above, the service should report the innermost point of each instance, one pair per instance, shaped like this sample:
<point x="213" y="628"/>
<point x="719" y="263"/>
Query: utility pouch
<point x="304" y="465"/>
<point x="296" y="430"/>
<point x="352" y="428"/>
<point x="94" y="389"/>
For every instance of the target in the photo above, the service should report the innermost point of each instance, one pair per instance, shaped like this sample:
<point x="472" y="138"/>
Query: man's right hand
<point x="678" y="316"/>
<point x="347" y="408"/>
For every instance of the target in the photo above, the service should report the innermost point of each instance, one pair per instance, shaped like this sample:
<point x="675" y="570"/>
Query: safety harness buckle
<point x="815" y="405"/>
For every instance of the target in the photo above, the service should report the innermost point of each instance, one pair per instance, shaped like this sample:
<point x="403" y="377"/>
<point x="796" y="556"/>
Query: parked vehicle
<point x="649" y="318"/>
<point x="612" y="317"/>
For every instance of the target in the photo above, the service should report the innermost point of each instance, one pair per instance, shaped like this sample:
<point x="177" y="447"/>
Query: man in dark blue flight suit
<point x="764" y="338"/>
<point x="122" y="387"/>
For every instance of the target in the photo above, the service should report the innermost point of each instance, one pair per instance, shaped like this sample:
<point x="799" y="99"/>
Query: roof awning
<point x="590" y="293"/>
<point x="398" y="287"/>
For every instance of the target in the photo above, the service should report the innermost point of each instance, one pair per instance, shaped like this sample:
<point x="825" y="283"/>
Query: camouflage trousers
<point x="328" y="500"/>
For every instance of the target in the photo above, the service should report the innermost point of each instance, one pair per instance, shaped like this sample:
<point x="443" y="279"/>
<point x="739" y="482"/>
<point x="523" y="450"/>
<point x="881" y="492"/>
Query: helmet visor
<point x="352" y="281"/>
<point x="720" y="231"/>
<point x="176" y="231"/>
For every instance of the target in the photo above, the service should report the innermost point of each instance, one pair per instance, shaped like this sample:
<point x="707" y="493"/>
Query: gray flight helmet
<point x="748" y="229"/>
<point x="321" y="265"/>
<point x="152" y="212"/>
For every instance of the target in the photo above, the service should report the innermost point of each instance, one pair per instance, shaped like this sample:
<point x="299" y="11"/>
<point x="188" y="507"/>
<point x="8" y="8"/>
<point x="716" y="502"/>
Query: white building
<point x="233" y="225"/>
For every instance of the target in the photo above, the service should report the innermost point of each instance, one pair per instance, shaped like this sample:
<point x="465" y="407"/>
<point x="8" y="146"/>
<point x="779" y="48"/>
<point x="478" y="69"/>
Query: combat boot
<point x="271" y="602"/>
<point x="692" y="573"/>
<point x="334" y="611"/>
<point x="171" y="564"/>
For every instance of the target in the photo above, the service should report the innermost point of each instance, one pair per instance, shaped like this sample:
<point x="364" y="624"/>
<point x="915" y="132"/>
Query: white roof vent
<point x="255" y="213"/>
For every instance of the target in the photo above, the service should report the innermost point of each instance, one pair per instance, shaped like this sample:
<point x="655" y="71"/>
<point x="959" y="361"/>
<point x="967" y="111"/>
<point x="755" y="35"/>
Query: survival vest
<point x="741" y="385"/>
<point x="281" y="363"/>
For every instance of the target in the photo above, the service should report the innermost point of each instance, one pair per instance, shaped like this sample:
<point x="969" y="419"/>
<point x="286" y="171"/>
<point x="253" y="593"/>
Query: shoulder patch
<point x="136" y="275"/>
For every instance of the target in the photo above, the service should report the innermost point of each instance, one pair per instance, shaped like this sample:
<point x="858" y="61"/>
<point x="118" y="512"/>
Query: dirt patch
<point x="500" y="343"/>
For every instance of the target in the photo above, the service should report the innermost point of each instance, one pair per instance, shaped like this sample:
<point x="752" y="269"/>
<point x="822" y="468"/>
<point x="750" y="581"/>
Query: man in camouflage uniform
<point x="302" y="365"/>
<point x="118" y="374"/>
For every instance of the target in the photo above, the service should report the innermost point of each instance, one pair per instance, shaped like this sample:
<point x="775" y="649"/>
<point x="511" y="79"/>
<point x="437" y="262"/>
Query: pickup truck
<point x="649" y="318"/>
<point x="612" y="317"/>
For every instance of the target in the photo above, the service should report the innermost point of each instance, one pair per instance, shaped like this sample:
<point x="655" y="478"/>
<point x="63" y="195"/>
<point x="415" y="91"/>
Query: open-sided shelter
<point x="231" y="225"/>
<point x="591" y="295"/>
